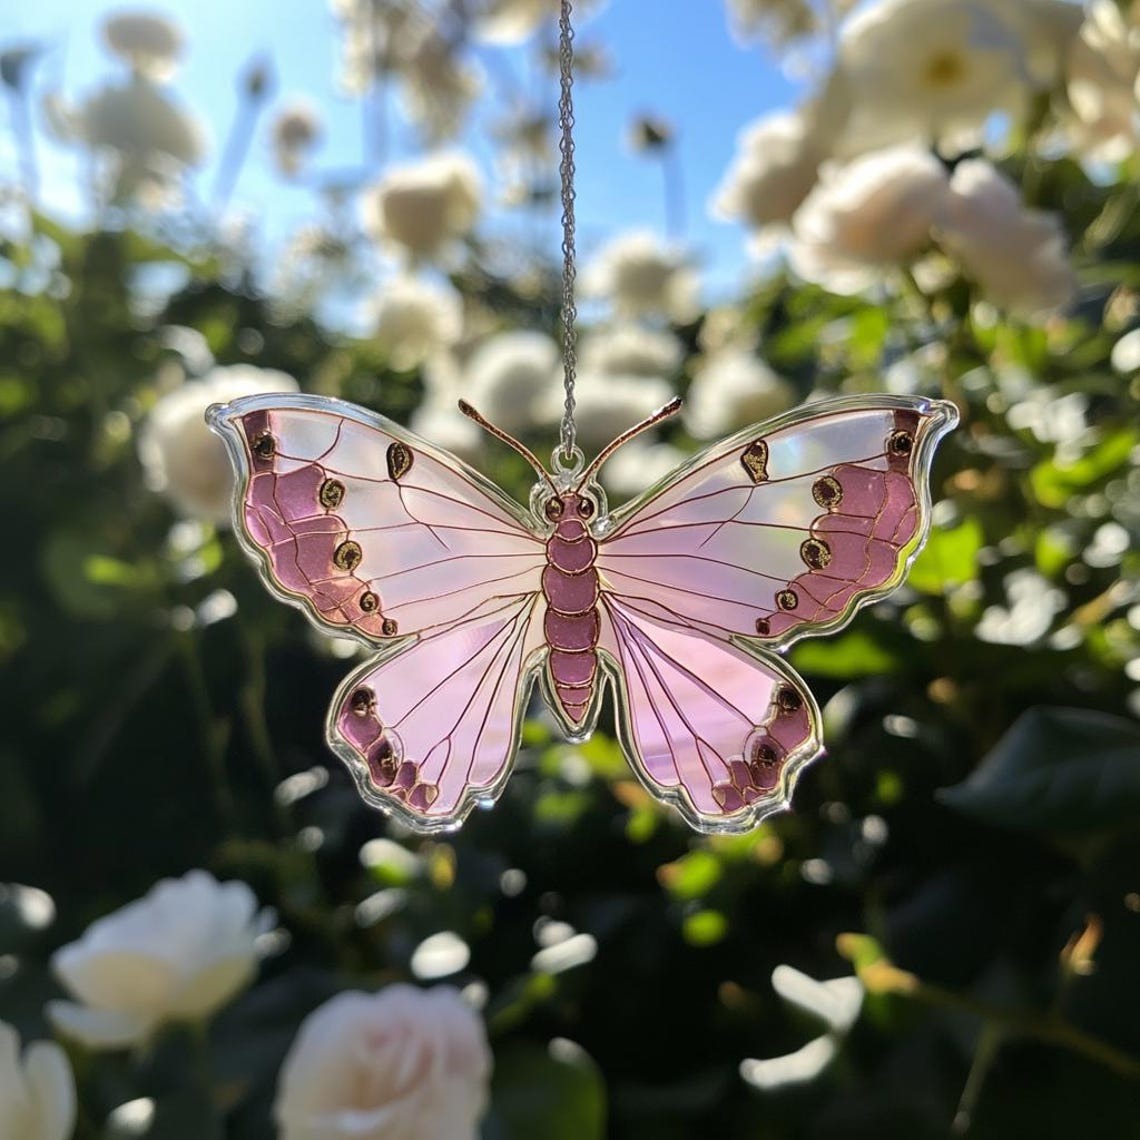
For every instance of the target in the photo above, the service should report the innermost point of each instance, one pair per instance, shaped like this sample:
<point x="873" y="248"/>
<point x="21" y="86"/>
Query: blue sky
<point x="675" y="58"/>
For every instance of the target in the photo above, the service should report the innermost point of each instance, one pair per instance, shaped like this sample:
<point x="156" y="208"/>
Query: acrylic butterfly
<point x="677" y="601"/>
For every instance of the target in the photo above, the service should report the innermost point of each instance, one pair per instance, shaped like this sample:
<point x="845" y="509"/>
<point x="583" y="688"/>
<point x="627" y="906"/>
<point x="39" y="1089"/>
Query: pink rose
<point x="402" y="1064"/>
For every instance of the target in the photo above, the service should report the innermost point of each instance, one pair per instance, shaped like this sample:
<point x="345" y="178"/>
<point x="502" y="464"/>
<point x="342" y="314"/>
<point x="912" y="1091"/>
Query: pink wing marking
<point x="430" y="730"/>
<point x="711" y="727"/>
<point x="826" y="521"/>
<point x="362" y="551"/>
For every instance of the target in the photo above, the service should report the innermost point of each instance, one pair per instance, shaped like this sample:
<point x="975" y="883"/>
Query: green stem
<point x="1038" y="1026"/>
<point x="214" y="730"/>
<point x="989" y="1044"/>
<point x="253" y="707"/>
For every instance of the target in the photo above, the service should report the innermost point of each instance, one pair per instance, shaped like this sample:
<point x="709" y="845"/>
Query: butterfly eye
<point x="586" y="508"/>
<point x="553" y="509"/>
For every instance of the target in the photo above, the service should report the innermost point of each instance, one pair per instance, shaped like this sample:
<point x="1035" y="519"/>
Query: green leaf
<point x="950" y="558"/>
<point x="852" y="654"/>
<point x="692" y="876"/>
<point x="1054" y="484"/>
<point x="1056" y="769"/>
<point x="705" y="928"/>
<point x="556" y="1093"/>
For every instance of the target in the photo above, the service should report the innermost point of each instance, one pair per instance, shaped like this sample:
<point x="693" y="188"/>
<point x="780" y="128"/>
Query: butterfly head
<point x="577" y="506"/>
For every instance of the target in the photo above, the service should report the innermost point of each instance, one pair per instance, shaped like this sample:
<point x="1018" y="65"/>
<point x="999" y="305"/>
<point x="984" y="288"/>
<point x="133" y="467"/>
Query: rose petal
<point x="211" y="988"/>
<point x="121" y="979"/>
<point x="98" y="1028"/>
<point x="52" y="1089"/>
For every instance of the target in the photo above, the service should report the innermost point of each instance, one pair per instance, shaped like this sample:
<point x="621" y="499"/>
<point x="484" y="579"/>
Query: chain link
<point x="569" y="260"/>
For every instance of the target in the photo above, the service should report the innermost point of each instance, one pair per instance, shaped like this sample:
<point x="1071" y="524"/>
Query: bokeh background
<point x="778" y="200"/>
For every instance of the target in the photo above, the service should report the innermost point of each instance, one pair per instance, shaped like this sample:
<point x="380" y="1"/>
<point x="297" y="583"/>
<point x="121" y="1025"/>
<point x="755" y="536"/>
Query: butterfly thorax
<point x="570" y="587"/>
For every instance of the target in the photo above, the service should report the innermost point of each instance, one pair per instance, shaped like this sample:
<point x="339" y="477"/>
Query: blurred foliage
<point x="975" y="814"/>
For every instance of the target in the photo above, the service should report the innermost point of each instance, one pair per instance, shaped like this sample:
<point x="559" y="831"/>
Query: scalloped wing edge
<point x="944" y="418"/>
<point x="222" y="420"/>
<point x="750" y="816"/>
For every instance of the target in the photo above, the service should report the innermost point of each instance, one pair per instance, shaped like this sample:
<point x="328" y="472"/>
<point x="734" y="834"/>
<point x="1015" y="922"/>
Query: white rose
<point x="413" y="319"/>
<point x="734" y="388"/>
<point x="774" y="169"/>
<point x="922" y="69"/>
<point x="642" y="277"/>
<point x="1104" y="83"/>
<point x="402" y="1064"/>
<point x="177" y="954"/>
<point x="1017" y="256"/>
<point x="778" y="21"/>
<point x="637" y="465"/>
<point x="150" y="43"/>
<point x="629" y="350"/>
<point x="375" y="39"/>
<point x="181" y="457"/>
<point x="438" y="86"/>
<point x="872" y="213"/>
<point x="506" y="22"/>
<point x="140" y="122"/>
<point x="295" y="132"/>
<point x="423" y="206"/>
<point x="37" y="1092"/>
<point x="1125" y="356"/>
<point x="606" y="405"/>
<point x="510" y="375"/>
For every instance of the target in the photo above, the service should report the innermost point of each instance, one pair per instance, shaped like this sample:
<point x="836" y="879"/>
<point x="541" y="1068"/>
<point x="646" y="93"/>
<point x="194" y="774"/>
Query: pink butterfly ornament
<point x="678" y="602"/>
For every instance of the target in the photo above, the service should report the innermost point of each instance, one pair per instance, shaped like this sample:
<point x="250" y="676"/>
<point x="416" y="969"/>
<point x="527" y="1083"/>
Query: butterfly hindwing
<point x="370" y="530"/>
<point x="430" y="729"/>
<point x="710" y="726"/>
<point x="786" y="528"/>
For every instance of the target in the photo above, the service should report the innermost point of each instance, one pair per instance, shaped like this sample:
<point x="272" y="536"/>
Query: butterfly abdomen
<point x="571" y="624"/>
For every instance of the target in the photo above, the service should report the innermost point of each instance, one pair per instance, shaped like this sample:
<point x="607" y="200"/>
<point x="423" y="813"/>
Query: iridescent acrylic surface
<point x="678" y="602"/>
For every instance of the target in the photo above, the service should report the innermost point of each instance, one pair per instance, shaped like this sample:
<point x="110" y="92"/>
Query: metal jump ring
<point x="569" y="470"/>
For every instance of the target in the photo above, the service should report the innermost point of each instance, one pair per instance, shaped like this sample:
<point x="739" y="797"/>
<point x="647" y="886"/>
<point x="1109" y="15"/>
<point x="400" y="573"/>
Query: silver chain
<point x="569" y="265"/>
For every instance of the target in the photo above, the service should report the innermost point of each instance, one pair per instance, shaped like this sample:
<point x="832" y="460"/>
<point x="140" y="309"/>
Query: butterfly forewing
<point x="786" y="528"/>
<point x="369" y="529"/>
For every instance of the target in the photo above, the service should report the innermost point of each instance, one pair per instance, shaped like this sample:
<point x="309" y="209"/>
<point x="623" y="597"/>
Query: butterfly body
<point x="678" y="602"/>
<point x="570" y="589"/>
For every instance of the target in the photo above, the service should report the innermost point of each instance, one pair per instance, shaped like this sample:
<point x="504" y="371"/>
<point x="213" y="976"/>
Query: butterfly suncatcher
<point x="678" y="601"/>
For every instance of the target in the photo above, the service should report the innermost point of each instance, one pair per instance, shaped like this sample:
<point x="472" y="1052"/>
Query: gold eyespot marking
<point x="264" y="446"/>
<point x="816" y="553"/>
<point x="763" y="627"/>
<point x="399" y="460"/>
<point x="788" y="700"/>
<point x="585" y="508"/>
<point x="362" y="701"/>
<point x="331" y="494"/>
<point x="369" y="602"/>
<point x="389" y="627"/>
<point x="553" y="509"/>
<point x="347" y="556"/>
<point x="755" y="460"/>
<point x="383" y="763"/>
<point x="764" y="752"/>
<point x="827" y="492"/>
<point x="787" y="599"/>
<point x="900" y="443"/>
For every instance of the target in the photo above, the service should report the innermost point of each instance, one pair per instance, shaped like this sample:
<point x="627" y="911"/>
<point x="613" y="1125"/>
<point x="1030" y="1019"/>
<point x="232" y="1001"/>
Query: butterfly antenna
<point x="509" y="440"/>
<point x="670" y="409"/>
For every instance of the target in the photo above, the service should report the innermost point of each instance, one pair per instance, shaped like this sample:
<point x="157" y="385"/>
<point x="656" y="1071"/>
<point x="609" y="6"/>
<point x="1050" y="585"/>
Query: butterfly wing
<point x="786" y="528"/>
<point x="715" y="728"/>
<point x="428" y="729"/>
<point x="370" y="530"/>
